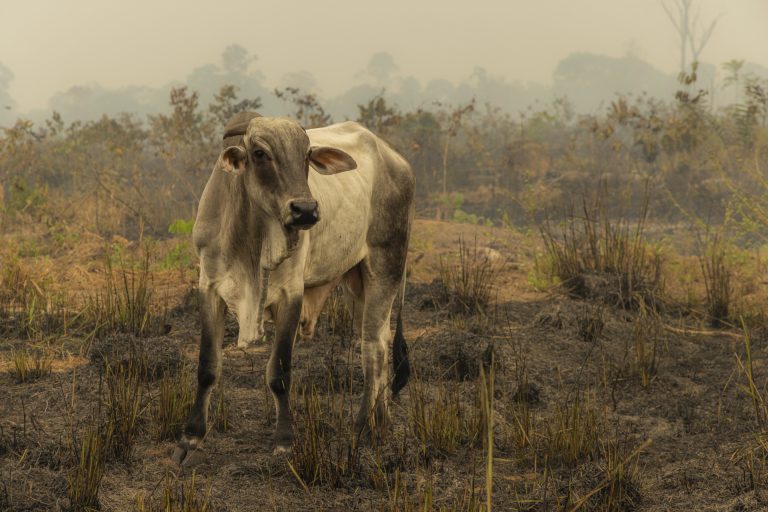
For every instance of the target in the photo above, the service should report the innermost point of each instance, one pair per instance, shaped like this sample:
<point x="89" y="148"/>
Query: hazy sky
<point x="52" y="45"/>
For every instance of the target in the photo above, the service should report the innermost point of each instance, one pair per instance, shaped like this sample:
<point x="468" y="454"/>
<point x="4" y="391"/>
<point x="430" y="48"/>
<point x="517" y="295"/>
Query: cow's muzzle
<point x="304" y="214"/>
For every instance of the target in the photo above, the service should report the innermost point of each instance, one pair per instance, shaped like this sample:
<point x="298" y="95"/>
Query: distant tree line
<point x="589" y="81"/>
<point x="474" y="162"/>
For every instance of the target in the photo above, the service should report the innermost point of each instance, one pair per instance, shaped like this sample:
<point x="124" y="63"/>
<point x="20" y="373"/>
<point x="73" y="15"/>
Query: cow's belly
<point x="332" y="253"/>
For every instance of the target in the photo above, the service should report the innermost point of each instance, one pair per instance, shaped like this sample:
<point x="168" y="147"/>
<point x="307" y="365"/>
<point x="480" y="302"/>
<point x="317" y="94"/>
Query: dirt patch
<point x="659" y="399"/>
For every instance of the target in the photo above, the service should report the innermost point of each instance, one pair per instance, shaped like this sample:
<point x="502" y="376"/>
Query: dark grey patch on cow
<point x="400" y="364"/>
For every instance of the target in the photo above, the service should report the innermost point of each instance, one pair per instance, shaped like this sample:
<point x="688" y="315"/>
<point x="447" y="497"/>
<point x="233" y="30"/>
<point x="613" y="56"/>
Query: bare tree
<point x="686" y="18"/>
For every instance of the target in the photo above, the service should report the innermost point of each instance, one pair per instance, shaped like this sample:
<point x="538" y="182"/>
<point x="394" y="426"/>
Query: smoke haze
<point x="94" y="56"/>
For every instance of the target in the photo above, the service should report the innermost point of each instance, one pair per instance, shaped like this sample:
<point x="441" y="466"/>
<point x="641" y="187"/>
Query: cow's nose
<point x="304" y="214"/>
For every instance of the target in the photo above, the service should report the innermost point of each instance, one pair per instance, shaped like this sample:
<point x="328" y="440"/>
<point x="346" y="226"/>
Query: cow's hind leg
<point x="380" y="286"/>
<point x="286" y="314"/>
<point x="212" y="312"/>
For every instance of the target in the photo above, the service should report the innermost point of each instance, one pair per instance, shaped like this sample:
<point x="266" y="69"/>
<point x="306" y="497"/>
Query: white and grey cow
<point x="258" y="256"/>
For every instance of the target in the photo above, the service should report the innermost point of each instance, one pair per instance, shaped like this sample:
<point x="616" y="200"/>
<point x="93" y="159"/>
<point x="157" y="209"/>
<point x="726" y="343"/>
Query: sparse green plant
<point x="181" y="226"/>
<point x="542" y="277"/>
<point x="179" y="256"/>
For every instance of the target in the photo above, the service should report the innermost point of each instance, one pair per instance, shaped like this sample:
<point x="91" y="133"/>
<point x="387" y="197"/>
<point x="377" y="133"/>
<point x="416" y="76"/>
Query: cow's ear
<point x="327" y="160"/>
<point x="232" y="160"/>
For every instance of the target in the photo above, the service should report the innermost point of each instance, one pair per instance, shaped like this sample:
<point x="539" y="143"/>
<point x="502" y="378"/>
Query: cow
<point x="286" y="215"/>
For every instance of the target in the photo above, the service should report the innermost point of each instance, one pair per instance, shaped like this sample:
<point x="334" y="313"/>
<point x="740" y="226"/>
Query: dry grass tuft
<point x="28" y="367"/>
<point x="85" y="478"/>
<point x="221" y="411"/>
<point x="467" y="284"/>
<point x="572" y="434"/>
<point x="440" y="421"/>
<point x="178" y="496"/>
<point x="169" y="409"/>
<point x="126" y="303"/>
<point x="616" y="482"/>
<point x="718" y="277"/>
<point x="598" y="257"/>
<point x="335" y="318"/>
<point x="124" y="407"/>
<point x="591" y="323"/>
<point x="325" y="448"/>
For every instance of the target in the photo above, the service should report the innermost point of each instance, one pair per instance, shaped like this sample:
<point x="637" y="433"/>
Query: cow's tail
<point x="400" y="363"/>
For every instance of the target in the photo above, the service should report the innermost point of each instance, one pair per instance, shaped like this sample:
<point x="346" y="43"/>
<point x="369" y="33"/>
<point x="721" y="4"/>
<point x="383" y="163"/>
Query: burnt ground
<point x="593" y="407"/>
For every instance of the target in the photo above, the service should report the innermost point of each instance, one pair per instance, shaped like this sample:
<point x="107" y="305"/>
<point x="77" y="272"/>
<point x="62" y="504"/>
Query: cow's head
<point x="273" y="156"/>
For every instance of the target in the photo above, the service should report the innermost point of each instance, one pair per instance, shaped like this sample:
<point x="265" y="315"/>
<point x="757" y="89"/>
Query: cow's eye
<point x="259" y="154"/>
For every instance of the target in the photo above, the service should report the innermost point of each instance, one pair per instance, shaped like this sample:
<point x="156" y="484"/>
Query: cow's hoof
<point x="283" y="441"/>
<point x="186" y="456"/>
<point x="371" y="426"/>
<point x="282" y="450"/>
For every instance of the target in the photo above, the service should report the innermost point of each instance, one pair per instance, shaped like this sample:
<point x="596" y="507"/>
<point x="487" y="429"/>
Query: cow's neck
<point x="243" y="237"/>
<point x="254" y="237"/>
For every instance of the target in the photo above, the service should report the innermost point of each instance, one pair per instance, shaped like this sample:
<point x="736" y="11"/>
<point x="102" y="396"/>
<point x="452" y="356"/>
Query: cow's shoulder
<point x="355" y="138"/>
<point x="220" y="217"/>
<point x="349" y="136"/>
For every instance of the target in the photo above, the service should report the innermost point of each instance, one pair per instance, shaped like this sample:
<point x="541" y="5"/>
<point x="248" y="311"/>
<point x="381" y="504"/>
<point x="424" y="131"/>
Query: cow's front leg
<point x="212" y="312"/>
<point x="286" y="314"/>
